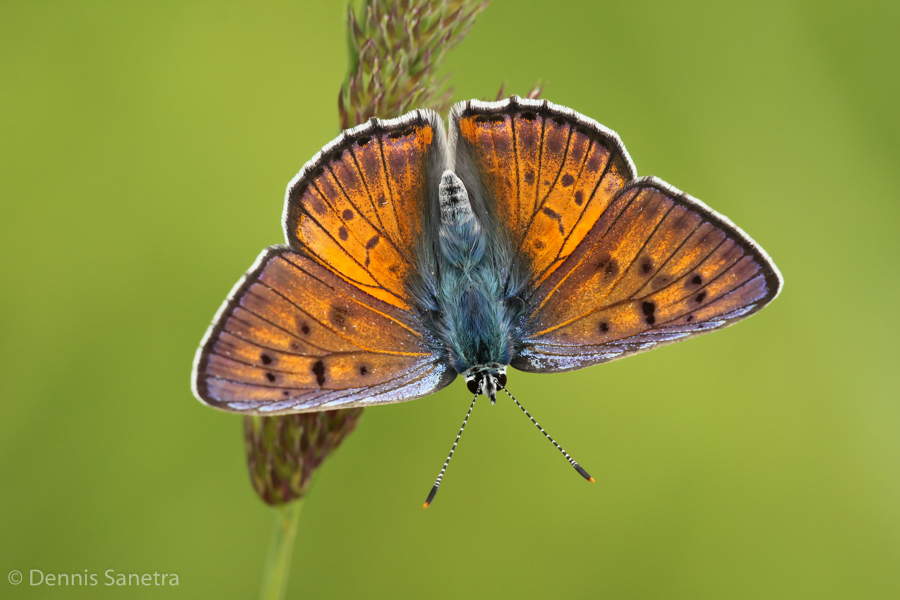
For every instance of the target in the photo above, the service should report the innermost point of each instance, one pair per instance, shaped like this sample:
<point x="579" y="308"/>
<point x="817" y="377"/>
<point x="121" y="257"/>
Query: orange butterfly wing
<point x="659" y="266"/>
<point x="326" y="323"/>
<point x="295" y="337"/>
<point x="361" y="206"/>
<point x="546" y="173"/>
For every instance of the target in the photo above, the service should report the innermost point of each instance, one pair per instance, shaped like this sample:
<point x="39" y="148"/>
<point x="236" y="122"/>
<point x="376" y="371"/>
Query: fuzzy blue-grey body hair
<point x="478" y="312"/>
<point x="469" y="289"/>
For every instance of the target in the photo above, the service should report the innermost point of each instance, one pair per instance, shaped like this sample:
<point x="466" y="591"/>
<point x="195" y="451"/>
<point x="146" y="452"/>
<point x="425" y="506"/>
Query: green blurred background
<point x="144" y="151"/>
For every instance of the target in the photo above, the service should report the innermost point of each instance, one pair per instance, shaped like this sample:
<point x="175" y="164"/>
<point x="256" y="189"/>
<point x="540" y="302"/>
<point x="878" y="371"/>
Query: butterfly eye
<point x="501" y="378"/>
<point x="472" y="384"/>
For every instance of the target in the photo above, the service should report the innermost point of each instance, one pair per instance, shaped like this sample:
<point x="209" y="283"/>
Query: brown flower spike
<point x="283" y="452"/>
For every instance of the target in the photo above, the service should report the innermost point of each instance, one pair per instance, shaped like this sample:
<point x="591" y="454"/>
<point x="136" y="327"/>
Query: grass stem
<point x="278" y="563"/>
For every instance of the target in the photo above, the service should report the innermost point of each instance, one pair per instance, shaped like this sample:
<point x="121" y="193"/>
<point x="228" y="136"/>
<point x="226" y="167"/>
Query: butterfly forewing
<point x="360" y="207"/>
<point x="657" y="267"/>
<point x="295" y="337"/>
<point x="546" y="173"/>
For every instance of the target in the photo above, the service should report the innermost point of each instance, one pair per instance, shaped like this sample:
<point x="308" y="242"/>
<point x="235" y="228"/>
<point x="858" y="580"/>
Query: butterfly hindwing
<point x="295" y="337"/>
<point x="362" y="207"/>
<point x="657" y="267"/>
<point x="540" y="172"/>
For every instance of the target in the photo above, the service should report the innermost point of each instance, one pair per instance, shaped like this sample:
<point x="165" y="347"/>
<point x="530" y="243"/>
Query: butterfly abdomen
<point x="475" y="323"/>
<point x="461" y="238"/>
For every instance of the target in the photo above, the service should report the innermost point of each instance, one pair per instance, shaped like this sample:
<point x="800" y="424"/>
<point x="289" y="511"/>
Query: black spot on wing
<point x="649" y="309"/>
<point x="318" y="370"/>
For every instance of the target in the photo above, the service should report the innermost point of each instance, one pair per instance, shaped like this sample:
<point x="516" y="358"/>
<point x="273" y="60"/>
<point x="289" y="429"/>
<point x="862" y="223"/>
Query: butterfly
<point x="520" y="238"/>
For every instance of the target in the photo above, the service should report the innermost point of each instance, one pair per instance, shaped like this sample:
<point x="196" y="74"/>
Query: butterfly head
<point x="486" y="379"/>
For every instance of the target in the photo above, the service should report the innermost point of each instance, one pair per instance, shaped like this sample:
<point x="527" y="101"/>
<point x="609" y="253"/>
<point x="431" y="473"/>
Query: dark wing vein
<point x="537" y="187"/>
<point x="274" y="324"/>
<point x="377" y="386"/>
<point x="515" y="153"/>
<point x="387" y="182"/>
<point x="346" y="297"/>
<point x="690" y="312"/>
<point x="583" y="208"/>
<point x="583" y="258"/>
<point x="365" y="184"/>
<point x="363" y="216"/>
<point x="672" y="255"/>
<point x="293" y="335"/>
<point x="631" y="299"/>
<point x="335" y="332"/>
<point x="350" y="256"/>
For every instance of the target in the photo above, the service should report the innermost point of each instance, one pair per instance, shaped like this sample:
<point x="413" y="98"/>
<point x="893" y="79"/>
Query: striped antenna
<point x="571" y="460"/>
<point x="437" y="483"/>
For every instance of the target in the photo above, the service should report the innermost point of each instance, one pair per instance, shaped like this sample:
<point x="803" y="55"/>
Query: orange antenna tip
<point x="582" y="472"/>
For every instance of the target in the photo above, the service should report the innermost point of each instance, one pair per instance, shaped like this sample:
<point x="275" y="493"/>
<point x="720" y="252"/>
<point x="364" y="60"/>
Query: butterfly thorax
<point x="476" y="321"/>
